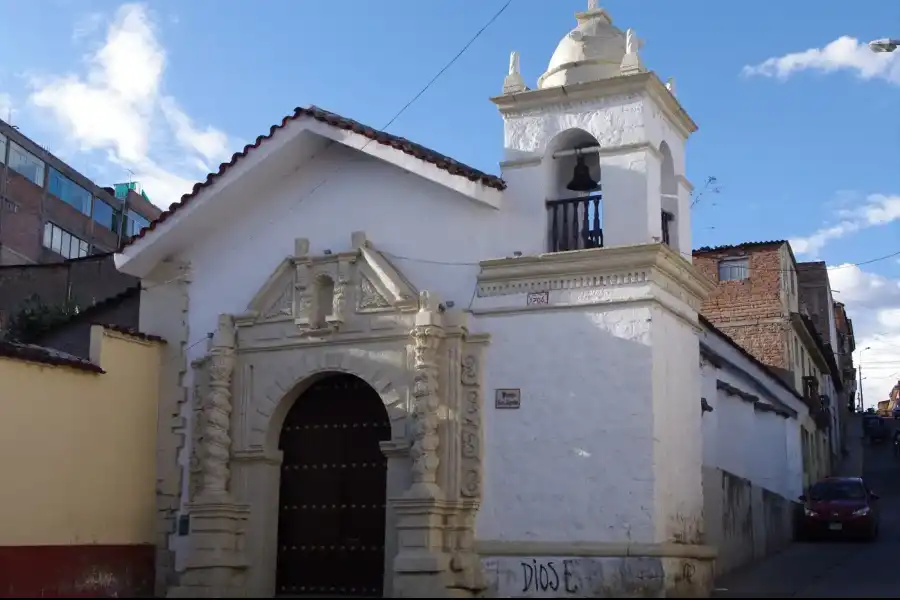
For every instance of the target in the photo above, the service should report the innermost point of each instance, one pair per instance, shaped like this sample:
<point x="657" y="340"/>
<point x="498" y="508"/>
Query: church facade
<point x="389" y="374"/>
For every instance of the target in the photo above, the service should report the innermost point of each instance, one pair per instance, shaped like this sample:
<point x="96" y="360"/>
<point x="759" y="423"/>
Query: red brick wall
<point x="20" y="226"/>
<point x="89" y="571"/>
<point x="745" y="303"/>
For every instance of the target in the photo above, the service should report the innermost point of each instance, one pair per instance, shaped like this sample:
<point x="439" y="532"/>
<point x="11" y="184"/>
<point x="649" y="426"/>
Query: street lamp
<point x="884" y="45"/>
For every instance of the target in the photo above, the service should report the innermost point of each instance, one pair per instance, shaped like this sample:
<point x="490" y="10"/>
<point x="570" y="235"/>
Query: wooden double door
<point x="331" y="517"/>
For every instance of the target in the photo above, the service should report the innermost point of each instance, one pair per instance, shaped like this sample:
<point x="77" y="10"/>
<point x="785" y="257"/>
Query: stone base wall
<point x="597" y="570"/>
<point x="744" y="521"/>
<point x="77" y="571"/>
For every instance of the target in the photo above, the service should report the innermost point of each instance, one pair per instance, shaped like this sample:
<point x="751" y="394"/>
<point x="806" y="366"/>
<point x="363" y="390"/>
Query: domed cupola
<point x="592" y="51"/>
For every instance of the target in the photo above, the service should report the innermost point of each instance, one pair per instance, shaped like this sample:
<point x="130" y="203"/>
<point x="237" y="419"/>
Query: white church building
<point x="390" y="374"/>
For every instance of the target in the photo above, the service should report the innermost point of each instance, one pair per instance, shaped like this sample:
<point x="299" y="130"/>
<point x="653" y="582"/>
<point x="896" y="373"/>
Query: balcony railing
<point x="575" y="223"/>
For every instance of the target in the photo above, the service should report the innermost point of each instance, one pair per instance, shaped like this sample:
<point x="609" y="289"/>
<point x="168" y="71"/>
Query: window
<point x="734" y="269"/>
<point x="69" y="192"/>
<point x="62" y="242"/>
<point x="133" y="223"/>
<point x="105" y="215"/>
<point x="26" y="164"/>
<point x="2" y="149"/>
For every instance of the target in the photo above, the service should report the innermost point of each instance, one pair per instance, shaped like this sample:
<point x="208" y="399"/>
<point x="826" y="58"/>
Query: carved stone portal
<point x="421" y="359"/>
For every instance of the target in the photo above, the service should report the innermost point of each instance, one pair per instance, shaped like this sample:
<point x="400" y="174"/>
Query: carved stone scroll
<point x="471" y="442"/>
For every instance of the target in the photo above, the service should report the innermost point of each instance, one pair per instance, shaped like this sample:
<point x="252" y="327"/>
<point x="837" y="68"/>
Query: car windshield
<point x="837" y="490"/>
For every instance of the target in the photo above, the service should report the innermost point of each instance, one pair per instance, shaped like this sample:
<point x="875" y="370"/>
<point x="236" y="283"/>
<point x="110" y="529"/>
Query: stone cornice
<point x="647" y="83"/>
<point x="594" y="268"/>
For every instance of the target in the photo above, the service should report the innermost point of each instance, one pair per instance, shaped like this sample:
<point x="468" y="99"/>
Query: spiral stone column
<point x="216" y="561"/>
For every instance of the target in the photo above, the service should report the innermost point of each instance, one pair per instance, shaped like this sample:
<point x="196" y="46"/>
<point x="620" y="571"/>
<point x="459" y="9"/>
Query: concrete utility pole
<point x="862" y="406"/>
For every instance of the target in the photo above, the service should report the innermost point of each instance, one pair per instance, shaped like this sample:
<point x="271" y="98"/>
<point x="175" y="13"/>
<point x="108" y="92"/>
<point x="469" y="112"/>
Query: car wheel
<point x="873" y="536"/>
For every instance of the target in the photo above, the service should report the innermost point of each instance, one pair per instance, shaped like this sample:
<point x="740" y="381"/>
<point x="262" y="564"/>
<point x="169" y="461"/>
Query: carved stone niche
<point x="321" y="294"/>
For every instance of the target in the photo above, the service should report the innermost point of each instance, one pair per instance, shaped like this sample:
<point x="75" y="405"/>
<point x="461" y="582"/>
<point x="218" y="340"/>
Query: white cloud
<point x="86" y="26"/>
<point x="117" y="106"/>
<point x="879" y="209"/>
<point x="873" y="303"/>
<point x="843" y="54"/>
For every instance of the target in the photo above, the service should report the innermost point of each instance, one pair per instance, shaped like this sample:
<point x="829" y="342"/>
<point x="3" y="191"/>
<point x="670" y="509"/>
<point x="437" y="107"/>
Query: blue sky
<point x="805" y="146"/>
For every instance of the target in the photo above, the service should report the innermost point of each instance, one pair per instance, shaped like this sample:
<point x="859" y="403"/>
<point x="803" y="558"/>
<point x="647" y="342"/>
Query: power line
<point x="396" y="116"/>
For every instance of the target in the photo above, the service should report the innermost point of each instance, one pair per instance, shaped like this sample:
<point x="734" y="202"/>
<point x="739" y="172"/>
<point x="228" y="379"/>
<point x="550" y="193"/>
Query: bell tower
<point x="594" y="328"/>
<point x="601" y="138"/>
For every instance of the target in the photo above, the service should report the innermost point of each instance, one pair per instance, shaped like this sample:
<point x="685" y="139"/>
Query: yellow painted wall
<point x="78" y="449"/>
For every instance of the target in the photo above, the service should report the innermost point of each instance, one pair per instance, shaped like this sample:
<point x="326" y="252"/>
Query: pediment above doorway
<point x="332" y="293"/>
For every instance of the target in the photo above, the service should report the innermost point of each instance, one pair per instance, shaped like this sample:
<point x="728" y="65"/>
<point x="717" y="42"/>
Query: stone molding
<point x="616" y="150"/>
<point x="530" y="548"/>
<point x="564" y="96"/>
<point x="596" y="268"/>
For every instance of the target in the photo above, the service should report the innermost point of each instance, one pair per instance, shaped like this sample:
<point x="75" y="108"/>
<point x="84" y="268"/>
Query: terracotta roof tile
<point x="132" y="332"/>
<point x="421" y="152"/>
<point x="46" y="356"/>
<point x="744" y="245"/>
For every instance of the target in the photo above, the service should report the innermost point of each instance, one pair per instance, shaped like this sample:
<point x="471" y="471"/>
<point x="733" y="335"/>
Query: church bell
<point x="581" y="178"/>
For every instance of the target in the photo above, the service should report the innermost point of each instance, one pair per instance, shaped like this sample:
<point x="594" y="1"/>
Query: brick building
<point x="49" y="212"/>
<point x="846" y="345"/>
<point x="760" y="304"/>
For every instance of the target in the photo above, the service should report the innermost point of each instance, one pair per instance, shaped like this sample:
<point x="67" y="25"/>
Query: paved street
<point x="835" y="569"/>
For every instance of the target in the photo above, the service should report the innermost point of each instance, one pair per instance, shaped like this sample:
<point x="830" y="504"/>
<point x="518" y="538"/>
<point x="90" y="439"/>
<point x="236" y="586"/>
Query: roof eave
<point x="142" y="254"/>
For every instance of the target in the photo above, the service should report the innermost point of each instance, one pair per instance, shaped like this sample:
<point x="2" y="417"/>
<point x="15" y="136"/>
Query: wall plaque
<point x="538" y="298"/>
<point x="508" y="398"/>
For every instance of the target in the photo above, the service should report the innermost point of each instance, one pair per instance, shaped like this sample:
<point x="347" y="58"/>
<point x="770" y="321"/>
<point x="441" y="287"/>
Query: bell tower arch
<point x="597" y="108"/>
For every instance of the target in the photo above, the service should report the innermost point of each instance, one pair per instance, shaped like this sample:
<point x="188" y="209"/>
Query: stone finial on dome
<point x="631" y="62"/>
<point x="670" y="85"/>
<point x="514" y="83"/>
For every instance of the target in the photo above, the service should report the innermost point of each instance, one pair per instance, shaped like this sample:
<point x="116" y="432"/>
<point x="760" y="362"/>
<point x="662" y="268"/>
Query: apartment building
<point x="49" y="212"/>
<point x="846" y="346"/>
<point x="759" y="303"/>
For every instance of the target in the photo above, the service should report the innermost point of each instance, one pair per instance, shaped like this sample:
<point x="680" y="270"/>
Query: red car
<point x="840" y="506"/>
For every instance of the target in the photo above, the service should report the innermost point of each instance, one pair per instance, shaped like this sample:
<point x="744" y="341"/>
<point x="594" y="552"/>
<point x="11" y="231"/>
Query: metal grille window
<point x="62" y="242"/>
<point x="734" y="269"/>
<point x="667" y="220"/>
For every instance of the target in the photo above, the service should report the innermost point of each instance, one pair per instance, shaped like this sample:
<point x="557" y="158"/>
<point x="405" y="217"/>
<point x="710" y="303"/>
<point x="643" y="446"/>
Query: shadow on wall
<point x="745" y="522"/>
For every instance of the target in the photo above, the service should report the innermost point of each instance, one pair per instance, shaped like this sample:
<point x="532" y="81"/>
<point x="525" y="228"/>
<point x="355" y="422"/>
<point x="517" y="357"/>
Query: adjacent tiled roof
<point x="92" y="310"/>
<point x="762" y="366"/>
<point x="47" y="356"/>
<point x="133" y="333"/>
<point x="743" y="246"/>
<point x="421" y="152"/>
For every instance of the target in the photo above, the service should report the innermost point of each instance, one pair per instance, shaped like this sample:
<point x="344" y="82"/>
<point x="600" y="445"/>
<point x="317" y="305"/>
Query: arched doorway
<point x="331" y="509"/>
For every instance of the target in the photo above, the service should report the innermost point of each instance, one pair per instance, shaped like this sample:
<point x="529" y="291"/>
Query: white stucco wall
<point x="575" y="462"/>
<point x="762" y="447"/>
